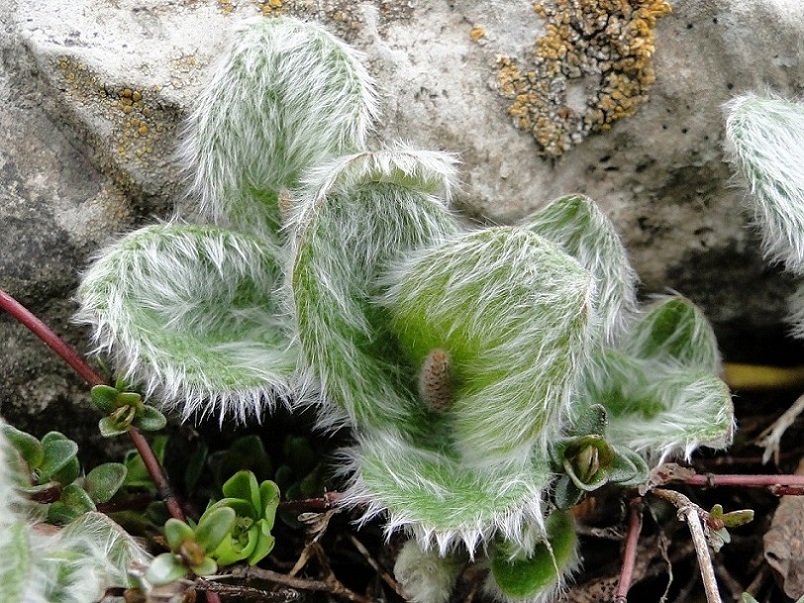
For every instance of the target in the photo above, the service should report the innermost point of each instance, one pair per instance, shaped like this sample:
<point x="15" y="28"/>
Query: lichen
<point x="607" y="45"/>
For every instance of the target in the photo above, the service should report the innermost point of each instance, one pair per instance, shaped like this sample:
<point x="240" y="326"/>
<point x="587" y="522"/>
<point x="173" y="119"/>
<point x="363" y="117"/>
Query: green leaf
<point x="177" y="532"/>
<point x="109" y="427"/>
<point x="129" y="399"/>
<point x="26" y="445"/>
<point x="136" y="473"/>
<point x="628" y="468"/>
<point x="150" y="420"/>
<point x="73" y="503"/>
<point x="300" y="454"/>
<point x="164" y="569"/>
<point x="264" y="542"/>
<point x="213" y="527"/>
<point x="269" y="501"/>
<point x="565" y="493"/>
<point x="582" y="230"/>
<point x="523" y="577"/>
<point x="243" y="508"/>
<point x="344" y="333"/>
<point x="104" y="397"/>
<point x="513" y="312"/>
<point x="264" y="121"/>
<point x="15" y="571"/>
<point x="431" y="492"/>
<point x="674" y="332"/>
<point x="687" y="410"/>
<point x="243" y="485"/>
<point x="207" y="567"/>
<point x="58" y="452"/>
<point x="193" y="310"/>
<point x="103" y="482"/>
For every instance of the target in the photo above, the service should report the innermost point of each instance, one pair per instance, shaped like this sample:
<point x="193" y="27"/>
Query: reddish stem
<point x="311" y="505"/>
<point x="41" y="330"/>
<point x="155" y="471"/>
<point x="212" y="597"/>
<point x="71" y="357"/>
<point x="630" y="552"/>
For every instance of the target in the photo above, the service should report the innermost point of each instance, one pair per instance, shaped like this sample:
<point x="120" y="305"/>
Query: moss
<point x="607" y="45"/>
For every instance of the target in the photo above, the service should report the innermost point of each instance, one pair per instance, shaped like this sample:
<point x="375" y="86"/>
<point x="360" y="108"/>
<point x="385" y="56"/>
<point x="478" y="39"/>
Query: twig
<point x="771" y="438"/>
<point x="314" y="505"/>
<point x="53" y="341"/>
<point x="630" y="551"/>
<point x="376" y="566"/>
<point x="746" y="481"/>
<point x="692" y="513"/>
<point x="71" y="357"/>
<point x="330" y="585"/>
<point x="246" y="594"/>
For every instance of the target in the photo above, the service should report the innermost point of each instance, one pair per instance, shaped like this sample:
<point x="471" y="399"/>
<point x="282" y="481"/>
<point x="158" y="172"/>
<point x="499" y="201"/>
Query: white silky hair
<point x="178" y="282"/>
<point x="72" y="565"/>
<point x="577" y="225"/>
<point x="462" y="525"/>
<point x="532" y="304"/>
<point x="349" y="218"/>
<point x="425" y="576"/>
<point x="697" y="412"/>
<point x="765" y="142"/>
<point x="286" y="96"/>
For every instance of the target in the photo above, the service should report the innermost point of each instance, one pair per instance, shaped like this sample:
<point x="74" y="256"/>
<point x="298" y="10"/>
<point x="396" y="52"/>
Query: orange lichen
<point x="607" y="43"/>
<point x="477" y="33"/>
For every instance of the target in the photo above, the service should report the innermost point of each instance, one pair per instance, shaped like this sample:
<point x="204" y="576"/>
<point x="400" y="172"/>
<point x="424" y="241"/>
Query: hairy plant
<point x="490" y="377"/>
<point x="75" y="564"/>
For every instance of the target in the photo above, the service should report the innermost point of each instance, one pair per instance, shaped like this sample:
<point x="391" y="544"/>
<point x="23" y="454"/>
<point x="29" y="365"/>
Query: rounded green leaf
<point x="214" y="526"/>
<point x="243" y="485"/>
<point x="269" y="501"/>
<point x="264" y="543"/>
<point x="194" y="312"/>
<point x="526" y="576"/>
<point x="150" y="420"/>
<point x="176" y="532"/>
<point x="238" y="545"/>
<point x="387" y="200"/>
<point x="58" y="453"/>
<point x="103" y="482"/>
<point x="165" y="568"/>
<point x="207" y="567"/>
<point x="241" y="507"/>
<point x="515" y="315"/>
<point x="104" y="397"/>
<point x="73" y="503"/>
<point x="26" y="445"/>
<point x="109" y="427"/>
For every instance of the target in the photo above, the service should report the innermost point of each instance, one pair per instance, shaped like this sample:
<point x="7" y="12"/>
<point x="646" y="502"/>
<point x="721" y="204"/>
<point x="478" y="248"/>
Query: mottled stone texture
<point x="92" y="93"/>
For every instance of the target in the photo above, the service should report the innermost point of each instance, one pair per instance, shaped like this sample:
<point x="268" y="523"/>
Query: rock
<point x="92" y="94"/>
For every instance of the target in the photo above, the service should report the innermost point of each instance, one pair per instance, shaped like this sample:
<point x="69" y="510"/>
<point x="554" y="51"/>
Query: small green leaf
<point x="110" y="428"/>
<point x="129" y="399"/>
<point x="73" y="503"/>
<point x="566" y="494"/>
<point x="150" y="420"/>
<point x="58" y="453"/>
<point x="176" y="532"/>
<point x="69" y="473"/>
<point x="206" y="568"/>
<point x="747" y="598"/>
<point x="28" y="447"/>
<point x="299" y="453"/>
<point x="243" y="484"/>
<point x="165" y="568"/>
<point x="104" y="481"/>
<point x="214" y="526"/>
<point x="104" y="397"/>
<point x="137" y="475"/>
<point x="265" y="542"/>
<point x="592" y="421"/>
<point x="628" y="468"/>
<point x="269" y="501"/>
<point x="527" y="576"/>
<point x="246" y="453"/>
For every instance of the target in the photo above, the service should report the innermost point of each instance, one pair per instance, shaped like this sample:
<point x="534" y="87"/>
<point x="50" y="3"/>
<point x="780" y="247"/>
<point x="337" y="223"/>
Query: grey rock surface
<point x="92" y="93"/>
